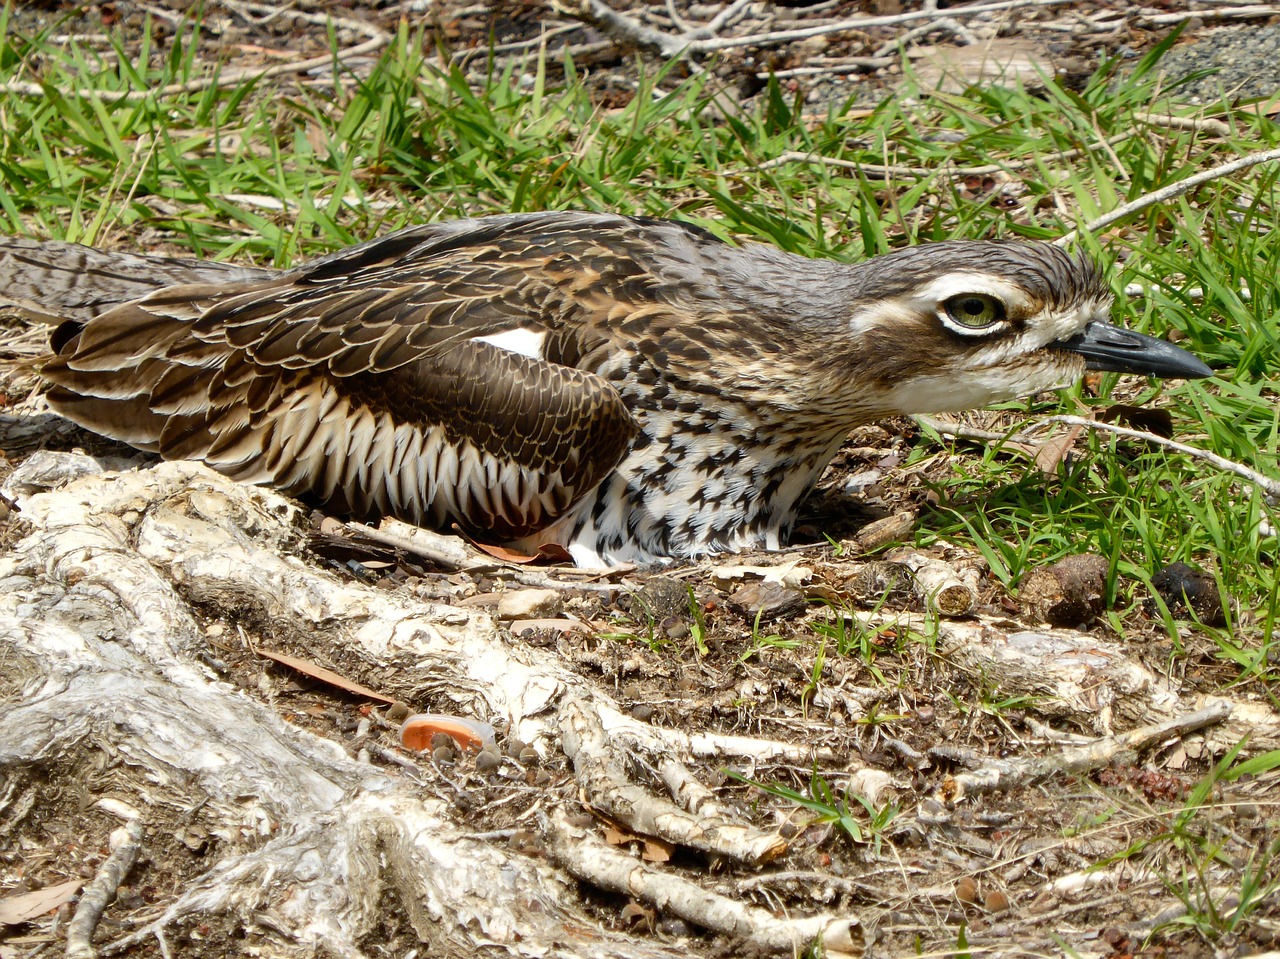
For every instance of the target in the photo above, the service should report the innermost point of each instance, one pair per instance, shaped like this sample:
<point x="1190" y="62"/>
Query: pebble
<point x="1243" y="61"/>
<point x="528" y="603"/>
<point x="767" y="601"/>
<point x="1184" y="588"/>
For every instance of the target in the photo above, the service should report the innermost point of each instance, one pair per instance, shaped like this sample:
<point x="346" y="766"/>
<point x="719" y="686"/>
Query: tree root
<point x="103" y="610"/>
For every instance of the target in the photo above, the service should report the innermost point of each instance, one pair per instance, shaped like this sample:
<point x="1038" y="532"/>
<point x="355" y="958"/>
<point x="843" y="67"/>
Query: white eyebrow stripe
<point x="970" y="281"/>
<point x="523" y="341"/>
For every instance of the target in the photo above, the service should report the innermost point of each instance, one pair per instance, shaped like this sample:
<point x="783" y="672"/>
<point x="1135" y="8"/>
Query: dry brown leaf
<point x="1159" y="422"/>
<point x="549" y="553"/>
<point x="15" y="910"/>
<point x="308" y="668"/>
<point x="635" y="915"/>
<point x="1054" y="450"/>
<point x="652" y="849"/>
<point x="656" y="850"/>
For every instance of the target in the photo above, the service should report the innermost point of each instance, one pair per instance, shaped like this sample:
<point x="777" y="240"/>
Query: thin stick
<point x="126" y="842"/>
<point x="851" y="65"/>
<point x="726" y="17"/>
<point x="631" y="31"/>
<point x="1269" y="486"/>
<point x="1227" y="13"/>
<point x="1076" y="760"/>
<point x="795" y="156"/>
<point x="231" y="78"/>
<point x="1169" y="192"/>
<point x="1265" y="483"/>
<point x="863" y="23"/>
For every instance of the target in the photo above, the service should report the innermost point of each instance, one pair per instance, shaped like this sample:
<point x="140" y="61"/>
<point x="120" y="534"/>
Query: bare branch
<point x="1077" y="760"/>
<point x="602" y="865"/>
<point x="126" y="843"/>
<point x="630" y="31"/>
<point x="1170" y="191"/>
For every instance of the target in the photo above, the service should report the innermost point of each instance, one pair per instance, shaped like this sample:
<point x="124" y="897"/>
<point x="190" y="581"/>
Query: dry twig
<point x="1269" y="486"/>
<point x="1074" y="760"/>
<point x="593" y="861"/>
<point x="886" y="170"/>
<point x="1169" y="192"/>
<point x="126" y="843"/>
<point x="630" y="31"/>
<point x="607" y="787"/>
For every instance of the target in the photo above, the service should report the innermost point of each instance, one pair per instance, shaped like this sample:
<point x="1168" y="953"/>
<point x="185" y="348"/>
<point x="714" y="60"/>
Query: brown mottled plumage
<point x="634" y="388"/>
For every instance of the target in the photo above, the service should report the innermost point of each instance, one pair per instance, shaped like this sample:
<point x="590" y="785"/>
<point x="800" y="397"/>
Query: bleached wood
<point x="308" y="837"/>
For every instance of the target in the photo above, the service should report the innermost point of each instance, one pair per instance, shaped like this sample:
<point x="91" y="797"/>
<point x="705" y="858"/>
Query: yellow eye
<point x="974" y="310"/>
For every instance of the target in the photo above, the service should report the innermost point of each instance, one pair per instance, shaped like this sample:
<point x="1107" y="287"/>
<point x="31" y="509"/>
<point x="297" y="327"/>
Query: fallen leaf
<point x="656" y="850"/>
<point x="634" y="914"/>
<point x="308" y="668"/>
<point x="1054" y="450"/>
<point x="1157" y="421"/>
<point x="549" y="553"/>
<point x="652" y="849"/>
<point x="15" y="910"/>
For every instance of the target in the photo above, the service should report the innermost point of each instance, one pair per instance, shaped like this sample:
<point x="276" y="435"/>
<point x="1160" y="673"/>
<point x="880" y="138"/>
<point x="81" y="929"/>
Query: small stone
<point x="660" y="598"/>
<point x="675" y="629"/>
<point x="880" y="582"/>
<point x="642" y="712"/>
<point x="673" y="926"/>
<point x="766" y="602"/>
<point x="1184" y="588"/>
<point x="1071" y="592"/>
<point x="441" y="741"/>
<point x="528" y="603"/>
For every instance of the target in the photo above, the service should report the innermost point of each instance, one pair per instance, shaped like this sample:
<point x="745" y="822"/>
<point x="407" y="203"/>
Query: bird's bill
<point x="1113" y="350"/>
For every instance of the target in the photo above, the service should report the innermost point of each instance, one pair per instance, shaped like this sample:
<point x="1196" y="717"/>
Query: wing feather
<point x="360" y="377"/>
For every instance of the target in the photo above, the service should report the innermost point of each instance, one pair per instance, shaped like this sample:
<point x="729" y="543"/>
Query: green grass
<point x="268" y="173"/>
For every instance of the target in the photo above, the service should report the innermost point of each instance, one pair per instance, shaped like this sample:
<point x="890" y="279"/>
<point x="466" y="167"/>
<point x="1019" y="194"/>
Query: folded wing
<point x="379" y="380"/>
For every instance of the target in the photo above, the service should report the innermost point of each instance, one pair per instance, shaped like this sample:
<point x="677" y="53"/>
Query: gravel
<point x="1245" y="65"/>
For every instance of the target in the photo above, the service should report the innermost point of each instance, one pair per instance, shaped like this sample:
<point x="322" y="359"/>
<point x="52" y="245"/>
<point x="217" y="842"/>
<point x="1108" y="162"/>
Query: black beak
<point x="1113" y="350"/>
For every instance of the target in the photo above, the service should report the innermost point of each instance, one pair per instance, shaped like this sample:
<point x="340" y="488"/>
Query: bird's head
<point x="958" y="325"/>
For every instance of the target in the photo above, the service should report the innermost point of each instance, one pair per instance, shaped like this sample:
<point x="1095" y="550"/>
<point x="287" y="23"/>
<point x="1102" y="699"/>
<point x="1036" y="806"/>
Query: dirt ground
<point x="983" y="830"/>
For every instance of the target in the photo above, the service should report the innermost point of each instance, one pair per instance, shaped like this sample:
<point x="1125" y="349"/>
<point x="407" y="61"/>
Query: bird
<point x="633" y="389"/>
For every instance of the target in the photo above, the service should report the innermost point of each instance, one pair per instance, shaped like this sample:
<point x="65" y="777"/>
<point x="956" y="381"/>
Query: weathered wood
<point x="98" y="615"/>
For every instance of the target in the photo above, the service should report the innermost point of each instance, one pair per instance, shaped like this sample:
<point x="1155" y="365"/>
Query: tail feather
<point x="67" y="281"/>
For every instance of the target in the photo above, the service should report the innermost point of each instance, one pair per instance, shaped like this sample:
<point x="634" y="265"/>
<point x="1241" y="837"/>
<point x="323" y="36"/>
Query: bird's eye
<point x="974" y="310"/>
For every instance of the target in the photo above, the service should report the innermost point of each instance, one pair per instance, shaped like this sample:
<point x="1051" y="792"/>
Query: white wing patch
<point x="524" y="341"/>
